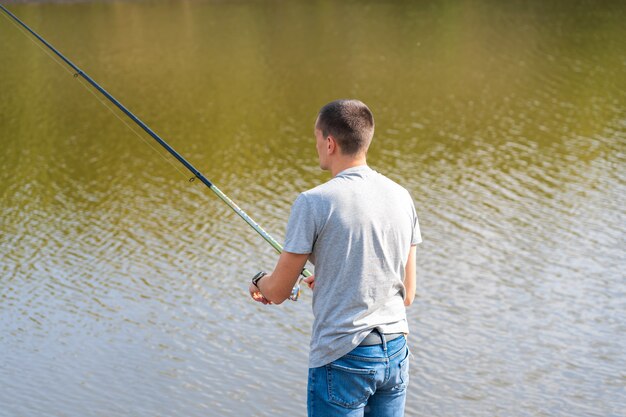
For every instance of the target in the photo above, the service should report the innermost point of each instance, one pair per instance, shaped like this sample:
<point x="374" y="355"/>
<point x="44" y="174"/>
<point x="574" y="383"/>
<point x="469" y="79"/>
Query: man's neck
<point x="343" y="164"/>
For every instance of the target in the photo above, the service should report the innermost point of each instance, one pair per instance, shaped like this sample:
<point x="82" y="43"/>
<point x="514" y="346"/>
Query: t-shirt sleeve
<point x="301" y="230"/>
<point x="416" y="234"/>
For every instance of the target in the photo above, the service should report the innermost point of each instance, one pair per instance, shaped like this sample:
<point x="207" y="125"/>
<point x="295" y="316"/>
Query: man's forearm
<point x="276" y="287"/>
<point x="272" y="292"/>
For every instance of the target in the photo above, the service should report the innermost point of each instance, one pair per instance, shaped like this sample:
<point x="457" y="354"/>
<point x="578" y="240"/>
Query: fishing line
<point x="196" y="174"/>
<point x="169" y="160"/>
<point x="86" y="87"/>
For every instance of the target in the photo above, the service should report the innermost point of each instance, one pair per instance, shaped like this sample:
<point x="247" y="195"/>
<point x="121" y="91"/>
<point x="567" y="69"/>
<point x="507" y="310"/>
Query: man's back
<point x="358" y="227"/>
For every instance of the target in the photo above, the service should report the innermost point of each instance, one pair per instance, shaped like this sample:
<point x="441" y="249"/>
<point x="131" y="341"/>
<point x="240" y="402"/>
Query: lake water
<point x="123" y="287"/>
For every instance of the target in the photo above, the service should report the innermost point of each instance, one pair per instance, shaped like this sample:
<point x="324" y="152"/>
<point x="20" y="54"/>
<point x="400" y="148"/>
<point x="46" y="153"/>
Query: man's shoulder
<point x="321" y="190"/>
<point x="392" y="184"/>
<point x="311" y="197"/>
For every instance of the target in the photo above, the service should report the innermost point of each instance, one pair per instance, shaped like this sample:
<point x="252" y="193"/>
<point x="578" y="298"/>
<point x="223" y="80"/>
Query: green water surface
<point x="123" y="286"/>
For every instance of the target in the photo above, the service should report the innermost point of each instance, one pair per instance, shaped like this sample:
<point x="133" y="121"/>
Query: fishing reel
<point x="295" y="292"/>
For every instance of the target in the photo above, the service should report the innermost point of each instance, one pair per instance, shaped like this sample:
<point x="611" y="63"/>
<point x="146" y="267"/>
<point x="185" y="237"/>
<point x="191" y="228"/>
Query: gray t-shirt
<point x="358" y="228"/>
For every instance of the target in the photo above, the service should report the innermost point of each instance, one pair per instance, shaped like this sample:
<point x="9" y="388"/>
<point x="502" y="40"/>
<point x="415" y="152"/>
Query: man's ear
<point x="331" y="145"/>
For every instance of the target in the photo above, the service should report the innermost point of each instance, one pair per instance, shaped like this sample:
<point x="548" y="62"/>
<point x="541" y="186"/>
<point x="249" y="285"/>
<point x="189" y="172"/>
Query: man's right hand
<point x="310" y="281"/>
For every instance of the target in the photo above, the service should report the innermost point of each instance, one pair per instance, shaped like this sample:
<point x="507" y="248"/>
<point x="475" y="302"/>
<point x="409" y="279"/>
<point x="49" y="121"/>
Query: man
<point x="360" y="230"/>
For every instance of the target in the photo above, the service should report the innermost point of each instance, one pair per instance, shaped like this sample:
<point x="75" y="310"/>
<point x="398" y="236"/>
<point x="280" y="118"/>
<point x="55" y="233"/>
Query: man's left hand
<point x="256" y="295"/>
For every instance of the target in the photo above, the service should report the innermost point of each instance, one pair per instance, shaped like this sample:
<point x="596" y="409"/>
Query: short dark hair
<point x="350" y="122"/>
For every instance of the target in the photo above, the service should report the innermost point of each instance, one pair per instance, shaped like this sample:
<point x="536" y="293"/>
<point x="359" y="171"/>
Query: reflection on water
<point x="123" y="286"/>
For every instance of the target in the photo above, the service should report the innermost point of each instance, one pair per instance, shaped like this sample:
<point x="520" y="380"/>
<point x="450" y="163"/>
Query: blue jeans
<point x="369" y="381"/>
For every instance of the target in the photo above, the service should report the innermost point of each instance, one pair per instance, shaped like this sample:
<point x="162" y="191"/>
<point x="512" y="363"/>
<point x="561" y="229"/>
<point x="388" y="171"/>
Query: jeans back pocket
<point x="350" y="387"/>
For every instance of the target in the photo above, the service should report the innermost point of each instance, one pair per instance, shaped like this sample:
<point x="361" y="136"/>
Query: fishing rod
<point x="295" y="293"/>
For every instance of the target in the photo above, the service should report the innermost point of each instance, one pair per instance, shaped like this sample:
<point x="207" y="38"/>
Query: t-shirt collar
<point x="353" y="170"/>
